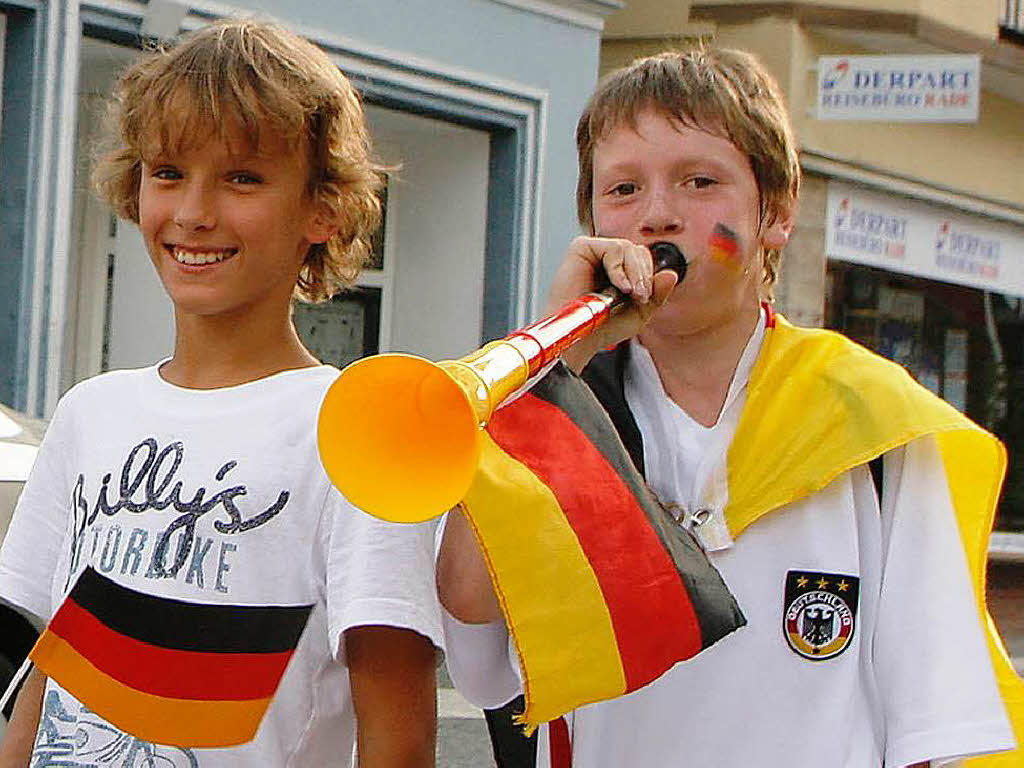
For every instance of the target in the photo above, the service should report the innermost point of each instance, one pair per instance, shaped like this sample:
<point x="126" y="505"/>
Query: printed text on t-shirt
<point x="147" y="482"/>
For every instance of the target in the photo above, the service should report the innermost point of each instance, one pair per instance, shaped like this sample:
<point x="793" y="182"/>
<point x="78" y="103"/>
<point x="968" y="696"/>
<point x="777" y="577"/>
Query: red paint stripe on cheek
<point x="724" y="247"/>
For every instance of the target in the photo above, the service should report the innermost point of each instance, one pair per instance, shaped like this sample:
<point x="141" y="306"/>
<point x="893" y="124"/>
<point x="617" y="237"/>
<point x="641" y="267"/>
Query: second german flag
<point x="601" y="589"/>
<point x="169" y="671"/>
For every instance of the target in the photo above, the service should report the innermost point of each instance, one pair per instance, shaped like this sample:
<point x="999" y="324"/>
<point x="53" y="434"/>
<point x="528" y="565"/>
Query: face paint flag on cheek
<point x="168" y="671"/>
<point x="724" y="248"/>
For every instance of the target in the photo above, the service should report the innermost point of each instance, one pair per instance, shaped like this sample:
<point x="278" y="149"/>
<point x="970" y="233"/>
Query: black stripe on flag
<point x="185" y="626"/>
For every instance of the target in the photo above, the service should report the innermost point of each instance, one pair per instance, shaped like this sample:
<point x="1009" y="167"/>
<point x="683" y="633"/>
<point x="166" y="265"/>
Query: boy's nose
<point x="195" y="209"/>
<point x="659" y="216"/>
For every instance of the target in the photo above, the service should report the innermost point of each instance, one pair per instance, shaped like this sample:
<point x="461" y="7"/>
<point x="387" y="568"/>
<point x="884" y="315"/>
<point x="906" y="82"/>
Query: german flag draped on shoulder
<point x="854" y="406"/>
<point x="592" y="573"/>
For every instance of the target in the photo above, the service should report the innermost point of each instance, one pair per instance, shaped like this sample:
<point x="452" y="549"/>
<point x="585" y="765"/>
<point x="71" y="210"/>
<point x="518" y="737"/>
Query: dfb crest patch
<point x="820" y="613"/>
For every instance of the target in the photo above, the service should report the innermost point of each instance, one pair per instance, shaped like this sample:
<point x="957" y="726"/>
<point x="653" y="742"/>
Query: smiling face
<point x="663" y="180"/>
<point x="228" y="225"/>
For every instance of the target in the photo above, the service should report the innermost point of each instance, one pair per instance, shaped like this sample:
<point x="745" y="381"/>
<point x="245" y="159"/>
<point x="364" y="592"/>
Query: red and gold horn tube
<point x="399" y="435"/>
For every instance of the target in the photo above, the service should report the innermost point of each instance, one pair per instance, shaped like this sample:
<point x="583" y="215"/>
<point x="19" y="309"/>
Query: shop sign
<point x="899" y="88"/>
<point x="915" y="238"/>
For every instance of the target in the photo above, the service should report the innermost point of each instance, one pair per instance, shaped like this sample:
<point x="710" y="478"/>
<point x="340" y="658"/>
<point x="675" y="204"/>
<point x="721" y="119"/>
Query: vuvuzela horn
<point x="399" y="435"/>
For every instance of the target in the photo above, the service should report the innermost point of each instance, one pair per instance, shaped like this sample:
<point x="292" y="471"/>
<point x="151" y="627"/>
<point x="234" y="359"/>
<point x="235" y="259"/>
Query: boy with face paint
<point x="863" y="645"/>
<point x="243" y="156"/>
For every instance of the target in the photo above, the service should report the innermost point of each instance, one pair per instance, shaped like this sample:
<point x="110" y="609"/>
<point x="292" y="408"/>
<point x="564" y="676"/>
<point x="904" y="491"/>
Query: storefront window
<point x="347" y="327"/>
<point x="343" y="329"/>
<point x="964" y="344"/>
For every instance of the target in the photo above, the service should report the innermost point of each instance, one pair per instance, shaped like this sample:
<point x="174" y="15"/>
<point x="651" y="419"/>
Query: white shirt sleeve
<point x="479" y="660"/>
<point x="932" y="665"/>
<point x="33" y="545"/>
<point x="378" y="573"/>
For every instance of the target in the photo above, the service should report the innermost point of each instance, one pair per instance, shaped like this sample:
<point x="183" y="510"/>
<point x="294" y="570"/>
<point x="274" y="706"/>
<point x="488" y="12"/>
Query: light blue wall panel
<point x="20" y="93"/>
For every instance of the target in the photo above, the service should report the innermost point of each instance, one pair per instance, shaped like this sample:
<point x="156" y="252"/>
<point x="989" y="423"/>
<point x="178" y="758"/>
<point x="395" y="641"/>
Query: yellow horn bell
<point x="399" y="435"/>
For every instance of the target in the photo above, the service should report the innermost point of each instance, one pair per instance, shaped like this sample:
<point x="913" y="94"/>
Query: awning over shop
<point x="903" y="235"/>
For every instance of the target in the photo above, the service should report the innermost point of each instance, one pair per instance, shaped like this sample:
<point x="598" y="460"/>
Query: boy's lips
<point x="198" y="256"/>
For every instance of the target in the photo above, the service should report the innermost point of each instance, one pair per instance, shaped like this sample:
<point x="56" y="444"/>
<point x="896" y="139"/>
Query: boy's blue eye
<point x="625" y="188"/>
<point x="245" y="178"/>
<point x="702" y="182"/>
<point x="166" y="174"/>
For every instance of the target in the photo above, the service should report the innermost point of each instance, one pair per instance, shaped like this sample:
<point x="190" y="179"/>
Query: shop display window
<point x="347" y="327"/>
<point x="343" y="329"/>
<point x="964" y="344"/>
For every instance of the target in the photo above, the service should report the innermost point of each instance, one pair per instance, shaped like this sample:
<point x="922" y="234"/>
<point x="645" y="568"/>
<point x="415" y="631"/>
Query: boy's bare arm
<point x="463" y="583"/>
<point x="16" y="750"/>
<point x="392" y="673"/>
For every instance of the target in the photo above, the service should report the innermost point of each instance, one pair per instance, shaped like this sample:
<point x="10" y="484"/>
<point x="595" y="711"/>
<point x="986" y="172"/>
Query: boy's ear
<point x="321" y="227"/>
<point x="776" y="234"/>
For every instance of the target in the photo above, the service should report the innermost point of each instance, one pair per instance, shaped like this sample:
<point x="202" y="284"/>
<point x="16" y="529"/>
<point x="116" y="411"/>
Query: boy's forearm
<point x="392" y="673"/>
<point x="579" y="354"/>
<point x="16" y="750"/>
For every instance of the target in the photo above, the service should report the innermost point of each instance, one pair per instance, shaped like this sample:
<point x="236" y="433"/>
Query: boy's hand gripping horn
<point x="399" y="435"/>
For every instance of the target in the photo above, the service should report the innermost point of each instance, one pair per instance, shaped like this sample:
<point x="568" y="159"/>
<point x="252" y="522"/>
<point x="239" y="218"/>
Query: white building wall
<point x="438" y="199"/>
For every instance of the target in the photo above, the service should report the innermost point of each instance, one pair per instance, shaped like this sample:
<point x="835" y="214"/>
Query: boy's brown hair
<point x="723" y="91"/>
<point x="265" y="81"/>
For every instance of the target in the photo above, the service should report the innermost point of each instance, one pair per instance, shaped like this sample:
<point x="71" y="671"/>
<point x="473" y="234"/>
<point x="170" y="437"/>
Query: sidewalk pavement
<point x="462" y="738"/>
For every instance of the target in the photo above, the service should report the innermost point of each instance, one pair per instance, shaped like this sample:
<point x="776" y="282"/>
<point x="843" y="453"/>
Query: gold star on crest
<point x="843" y="585"/>
<point x="801" y="581"/>
<point x="822" y="583"/>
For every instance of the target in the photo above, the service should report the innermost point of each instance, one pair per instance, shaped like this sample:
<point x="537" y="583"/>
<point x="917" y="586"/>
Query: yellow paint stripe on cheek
<point x="724" y="248"/>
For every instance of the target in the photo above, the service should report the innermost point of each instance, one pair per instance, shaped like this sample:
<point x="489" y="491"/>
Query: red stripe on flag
<point x="164" y="671"/>
<point x="159" y="719"/>
<point x="637" y="576"/>
<point x="723" y="244"/>
<point x="724" y="238"/>
<point x="558" y="744"/>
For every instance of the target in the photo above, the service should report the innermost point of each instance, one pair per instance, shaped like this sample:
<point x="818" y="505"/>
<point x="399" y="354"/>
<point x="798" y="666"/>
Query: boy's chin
<point x="190" y="304"/>
<point x="686" y="316"/>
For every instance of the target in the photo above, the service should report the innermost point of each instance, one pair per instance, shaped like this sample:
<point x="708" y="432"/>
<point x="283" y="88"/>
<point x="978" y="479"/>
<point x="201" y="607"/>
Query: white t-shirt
<point x="241" y="464"/>
<point x="911" y="681"/>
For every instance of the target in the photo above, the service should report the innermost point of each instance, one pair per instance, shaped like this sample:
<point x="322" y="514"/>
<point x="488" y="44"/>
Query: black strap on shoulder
<point x="878" y="475"/>
<point x="605" y="375"/>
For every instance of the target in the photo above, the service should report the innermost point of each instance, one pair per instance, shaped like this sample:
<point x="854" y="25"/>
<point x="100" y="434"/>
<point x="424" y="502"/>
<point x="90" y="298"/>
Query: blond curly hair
<point x="724" y="91"/>
<point x="258" y="77"/>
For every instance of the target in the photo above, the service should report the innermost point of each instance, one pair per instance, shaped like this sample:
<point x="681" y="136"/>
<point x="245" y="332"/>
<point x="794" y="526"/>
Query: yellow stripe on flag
<point x="536" y="553"/>
<point x="975" y="462"/>
<point x="178" y="722"/>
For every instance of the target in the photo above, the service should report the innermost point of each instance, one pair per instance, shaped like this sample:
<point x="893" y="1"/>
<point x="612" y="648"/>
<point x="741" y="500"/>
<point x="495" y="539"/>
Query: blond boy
<point x="243" y="156"/>
<point x="863" y="647"/>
